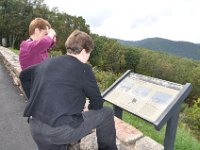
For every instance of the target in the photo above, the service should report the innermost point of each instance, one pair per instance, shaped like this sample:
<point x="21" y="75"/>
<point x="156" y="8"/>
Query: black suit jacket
<point x="57" y="90"/>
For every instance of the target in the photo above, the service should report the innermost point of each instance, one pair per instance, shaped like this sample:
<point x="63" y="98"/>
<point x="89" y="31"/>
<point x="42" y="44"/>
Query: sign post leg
<point x="170" y="132"/>
<point x="118" y="112"/>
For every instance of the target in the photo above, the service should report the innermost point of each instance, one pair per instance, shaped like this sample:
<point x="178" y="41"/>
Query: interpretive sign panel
<point x="144" y="96"/>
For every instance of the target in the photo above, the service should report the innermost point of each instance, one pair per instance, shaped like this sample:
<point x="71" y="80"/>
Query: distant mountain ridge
<point x="178" y="48"/>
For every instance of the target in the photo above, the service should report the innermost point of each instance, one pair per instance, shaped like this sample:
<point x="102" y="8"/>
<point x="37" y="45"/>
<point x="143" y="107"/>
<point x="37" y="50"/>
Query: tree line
<point x="15" y="16"/>
<point x="109" y="55"/>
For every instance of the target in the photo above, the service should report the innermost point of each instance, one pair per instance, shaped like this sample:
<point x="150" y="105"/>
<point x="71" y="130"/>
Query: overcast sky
<point x="133" y="20"/>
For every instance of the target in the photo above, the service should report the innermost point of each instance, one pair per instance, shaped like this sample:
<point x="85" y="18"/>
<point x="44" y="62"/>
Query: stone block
<point x="147" y="143"/>
<point x="126" y="133"/>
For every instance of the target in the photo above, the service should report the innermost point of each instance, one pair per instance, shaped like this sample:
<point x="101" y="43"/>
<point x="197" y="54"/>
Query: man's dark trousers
<point x="56" y="138"/>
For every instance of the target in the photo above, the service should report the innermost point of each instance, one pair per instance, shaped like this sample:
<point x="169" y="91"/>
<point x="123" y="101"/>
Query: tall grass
<point x="184" y="139"/>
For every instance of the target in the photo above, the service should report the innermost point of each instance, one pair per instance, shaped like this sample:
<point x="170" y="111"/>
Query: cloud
<point x="137" y="19"/>
<point x="95" y="21"/>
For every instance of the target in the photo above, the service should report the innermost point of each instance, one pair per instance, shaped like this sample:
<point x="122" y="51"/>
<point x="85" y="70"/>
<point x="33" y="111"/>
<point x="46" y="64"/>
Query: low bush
<point x="192" y="116"/>
<point x="104" y="78"/>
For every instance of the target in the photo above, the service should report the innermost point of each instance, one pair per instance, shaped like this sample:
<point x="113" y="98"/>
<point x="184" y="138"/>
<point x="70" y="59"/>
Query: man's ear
<point x="83" y="51"/>
<point x="47" y="28"/>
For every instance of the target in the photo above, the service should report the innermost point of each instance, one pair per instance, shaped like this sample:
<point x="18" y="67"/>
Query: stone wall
<point x="11" y="62"/>
<point x="128" y="137"/>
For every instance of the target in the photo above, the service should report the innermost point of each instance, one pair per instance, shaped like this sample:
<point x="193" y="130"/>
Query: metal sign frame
<point x="169" y="115"/>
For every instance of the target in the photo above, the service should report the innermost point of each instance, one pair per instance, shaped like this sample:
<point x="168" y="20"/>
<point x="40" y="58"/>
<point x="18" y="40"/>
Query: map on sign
<point x="143" y="96"/>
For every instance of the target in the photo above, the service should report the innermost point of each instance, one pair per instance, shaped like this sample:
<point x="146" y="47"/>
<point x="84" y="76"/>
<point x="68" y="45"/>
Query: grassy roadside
<point x="184" y="138"/>
<point x="15" y="51"/>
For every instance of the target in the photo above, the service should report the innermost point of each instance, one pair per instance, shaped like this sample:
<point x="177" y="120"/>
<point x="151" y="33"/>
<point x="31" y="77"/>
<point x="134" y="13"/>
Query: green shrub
<point x="53" y="53"/>
<point x="104" y="78"/>
<point x="192" y="116"/>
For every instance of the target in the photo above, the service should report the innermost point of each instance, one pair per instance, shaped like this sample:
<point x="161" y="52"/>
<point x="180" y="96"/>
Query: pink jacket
<point x="34" y="52"/>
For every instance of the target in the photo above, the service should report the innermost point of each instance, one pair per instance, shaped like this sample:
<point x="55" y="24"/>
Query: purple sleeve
<point x="43" y="44"/>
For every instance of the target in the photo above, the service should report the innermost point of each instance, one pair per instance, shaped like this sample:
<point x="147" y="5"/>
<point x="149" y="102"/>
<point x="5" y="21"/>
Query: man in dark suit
<point x="57" y="90"/>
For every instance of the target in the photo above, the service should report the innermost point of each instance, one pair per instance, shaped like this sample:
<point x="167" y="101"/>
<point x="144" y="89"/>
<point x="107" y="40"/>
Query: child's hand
<point x="51" y="33"/>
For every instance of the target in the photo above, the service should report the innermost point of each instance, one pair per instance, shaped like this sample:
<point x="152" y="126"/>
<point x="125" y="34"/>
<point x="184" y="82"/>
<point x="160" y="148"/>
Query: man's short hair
<point x="77" y="41"/>
<point x="39" y="23"/>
